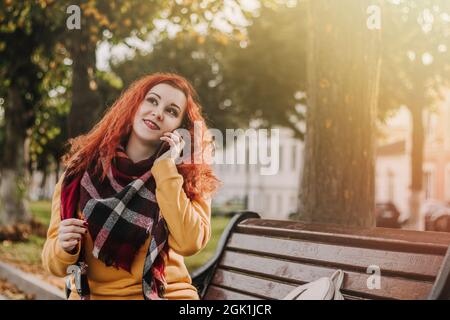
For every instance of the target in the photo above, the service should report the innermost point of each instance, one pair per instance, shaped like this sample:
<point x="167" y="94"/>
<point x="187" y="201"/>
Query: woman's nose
<point x="157" y="115"/>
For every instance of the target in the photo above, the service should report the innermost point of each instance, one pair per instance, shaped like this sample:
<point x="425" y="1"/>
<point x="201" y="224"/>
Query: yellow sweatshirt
<point x="189" y="231"/>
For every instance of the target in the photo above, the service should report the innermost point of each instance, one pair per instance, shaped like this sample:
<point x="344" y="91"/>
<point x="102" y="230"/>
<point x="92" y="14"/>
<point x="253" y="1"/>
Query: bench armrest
<point x="202" y="276"/>
<point x="441" y="287"/>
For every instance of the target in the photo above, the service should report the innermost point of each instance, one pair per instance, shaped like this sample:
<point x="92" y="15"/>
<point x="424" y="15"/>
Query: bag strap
<point x="338" y="278"/>
<point x="295" y="292"/>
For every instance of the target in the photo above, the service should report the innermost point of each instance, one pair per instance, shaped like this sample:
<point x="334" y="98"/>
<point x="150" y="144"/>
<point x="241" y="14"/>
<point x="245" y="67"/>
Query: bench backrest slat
<point x="378" y="238"/>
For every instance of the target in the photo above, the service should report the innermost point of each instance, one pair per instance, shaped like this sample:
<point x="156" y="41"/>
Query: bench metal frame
<point x="202" y="276"/>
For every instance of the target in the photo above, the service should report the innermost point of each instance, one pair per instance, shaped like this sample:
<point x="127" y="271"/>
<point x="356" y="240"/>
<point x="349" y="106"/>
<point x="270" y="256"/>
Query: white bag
<point x="326" y="288"/>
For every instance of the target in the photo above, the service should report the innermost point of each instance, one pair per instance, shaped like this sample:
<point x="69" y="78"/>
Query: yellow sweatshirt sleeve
<point x="189" y="222"/>
<point x="54" y="259"/>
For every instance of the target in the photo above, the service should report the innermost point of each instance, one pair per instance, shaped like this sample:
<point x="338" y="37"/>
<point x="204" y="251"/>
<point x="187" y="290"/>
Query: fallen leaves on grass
<point x="22" y="231"/>
<point x="10" y="291"/>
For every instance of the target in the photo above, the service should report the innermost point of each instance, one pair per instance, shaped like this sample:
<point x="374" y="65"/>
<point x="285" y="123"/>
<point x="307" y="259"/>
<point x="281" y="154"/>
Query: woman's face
<point x="162" y="110"/>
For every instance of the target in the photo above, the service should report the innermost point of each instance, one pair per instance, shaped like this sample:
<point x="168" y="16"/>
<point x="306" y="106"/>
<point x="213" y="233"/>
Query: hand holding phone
<point x="171" y="147"/>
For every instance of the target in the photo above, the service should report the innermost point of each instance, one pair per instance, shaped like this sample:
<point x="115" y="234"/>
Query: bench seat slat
<point x="355" y="284"/>
<point x="259" y="287"/>
<point x="419" y="266"/>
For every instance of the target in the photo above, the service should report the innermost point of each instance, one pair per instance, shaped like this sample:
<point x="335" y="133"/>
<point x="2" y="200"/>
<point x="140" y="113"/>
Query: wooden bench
<point x="265" y="259"/>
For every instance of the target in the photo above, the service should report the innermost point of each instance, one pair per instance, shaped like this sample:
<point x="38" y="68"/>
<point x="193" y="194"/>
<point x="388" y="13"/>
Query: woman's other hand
<point x="70" y="233"/>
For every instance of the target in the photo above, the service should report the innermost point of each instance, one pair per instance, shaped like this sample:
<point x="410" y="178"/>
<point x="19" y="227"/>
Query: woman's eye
<point x="152" y="101"/>
<point x="173" y="112"/>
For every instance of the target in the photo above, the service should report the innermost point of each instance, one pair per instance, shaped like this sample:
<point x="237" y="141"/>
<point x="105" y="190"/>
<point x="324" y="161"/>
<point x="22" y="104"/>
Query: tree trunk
<point x="343" y="75"/>
<point x="417" y="146"/>
<point x="42" y="194"/>
<point x="57" y="169"/>
<point x="14" y="179"/>
<point x="85" y="109"/>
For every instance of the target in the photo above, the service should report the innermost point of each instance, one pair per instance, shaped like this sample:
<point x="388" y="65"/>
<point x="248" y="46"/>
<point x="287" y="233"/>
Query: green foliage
<point x="266" y="75"/>
<point x="49" y="132"/>
<point x="37" y="52"/>
<point x="236" y="82"/>
<point x="416" y="44"/>
<point x="27" y="39"/>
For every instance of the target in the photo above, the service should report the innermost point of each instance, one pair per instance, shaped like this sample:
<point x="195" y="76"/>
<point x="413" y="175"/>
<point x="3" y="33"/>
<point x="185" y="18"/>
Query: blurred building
<point x="272" y="196"/>
<point x="393" y="166"/>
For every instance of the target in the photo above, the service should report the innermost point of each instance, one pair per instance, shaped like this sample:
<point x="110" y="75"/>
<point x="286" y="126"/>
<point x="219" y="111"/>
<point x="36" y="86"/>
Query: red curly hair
<point x="101" y="142"/>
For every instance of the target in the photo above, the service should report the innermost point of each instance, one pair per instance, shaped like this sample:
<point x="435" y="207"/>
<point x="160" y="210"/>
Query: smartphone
<point x="165" y="146"/>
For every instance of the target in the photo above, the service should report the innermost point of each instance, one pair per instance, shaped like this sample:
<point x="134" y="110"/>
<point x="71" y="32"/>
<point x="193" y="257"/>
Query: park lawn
<point x="27" y="255"/>
<point x="41" y="211"/>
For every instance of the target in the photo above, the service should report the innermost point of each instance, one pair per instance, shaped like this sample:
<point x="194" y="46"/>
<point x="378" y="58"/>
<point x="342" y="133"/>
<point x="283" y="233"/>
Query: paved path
<point x="29" y="283"/>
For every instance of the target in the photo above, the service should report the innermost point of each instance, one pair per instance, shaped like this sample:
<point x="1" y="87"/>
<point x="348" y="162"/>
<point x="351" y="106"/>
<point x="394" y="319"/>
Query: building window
<point x="294" y="157"/>
<point x="391" y="179"/>
<point x="280" y="158"/>
<point x="428" y="184"/>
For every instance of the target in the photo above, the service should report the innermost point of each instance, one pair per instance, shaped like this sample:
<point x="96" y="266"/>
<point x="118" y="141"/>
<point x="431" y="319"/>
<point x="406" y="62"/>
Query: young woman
<point x="124" y="213"/>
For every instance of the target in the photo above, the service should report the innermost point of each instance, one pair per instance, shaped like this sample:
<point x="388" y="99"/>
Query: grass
<point x="41" y="211"/>
<point x="29" y="253"/>
<point x="23" y="252"/>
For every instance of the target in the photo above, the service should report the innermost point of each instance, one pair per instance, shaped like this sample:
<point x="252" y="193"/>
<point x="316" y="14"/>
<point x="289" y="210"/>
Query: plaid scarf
<point x="122" y="212"/>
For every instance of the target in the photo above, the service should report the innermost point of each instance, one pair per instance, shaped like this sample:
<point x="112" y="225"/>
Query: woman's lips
<point x="151" y="124"/>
